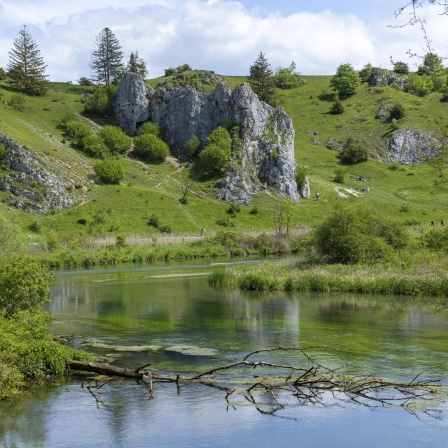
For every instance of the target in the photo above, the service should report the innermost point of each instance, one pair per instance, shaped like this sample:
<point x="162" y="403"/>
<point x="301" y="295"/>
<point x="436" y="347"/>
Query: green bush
<point x="300" y="177"/>
<point x="151" y="128"/>
<point x="101" y="102"/>
<point x="94" y="145"/>
<point x="354" y="151"/>
<point x="77" y="132"/>
<point x="109" y="171"/>
<point x="150" y="148"/>
<point x="358" y="234"/>
<point x="215" y="157"/>
<point x="397" y="112"/>
<point x="115" y="139"/>
<point x="18" y="101"/>
<point x="84" y="81"/>
<point x="339" y="175"/>
<point x="24" y="284"/>
<point x="337" y="108"/>
<point x="192" y="147"/>
<point x="287" y="78"/>
<point x="401" y="67"/>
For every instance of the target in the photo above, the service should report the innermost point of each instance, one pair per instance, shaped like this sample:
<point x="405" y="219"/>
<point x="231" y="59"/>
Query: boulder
<point x="382" y="77"/>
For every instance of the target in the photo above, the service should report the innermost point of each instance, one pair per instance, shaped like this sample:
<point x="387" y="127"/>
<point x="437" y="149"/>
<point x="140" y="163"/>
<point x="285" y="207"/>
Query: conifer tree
<point x="262" y="81"/>
<point x="136" y="64"/>
<point x="26" y="66"/>
<point x="106" y="58"/>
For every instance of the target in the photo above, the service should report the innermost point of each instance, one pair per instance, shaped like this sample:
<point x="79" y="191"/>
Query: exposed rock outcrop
<point x="383" y="77"/>
<point x="266" y="156"/>
<point x="33" y="186"/>
<point x="410" y="146"/>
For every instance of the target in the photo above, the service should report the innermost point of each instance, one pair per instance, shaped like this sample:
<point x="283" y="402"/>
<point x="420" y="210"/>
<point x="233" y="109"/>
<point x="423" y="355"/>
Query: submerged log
<point x="106" y="369"/>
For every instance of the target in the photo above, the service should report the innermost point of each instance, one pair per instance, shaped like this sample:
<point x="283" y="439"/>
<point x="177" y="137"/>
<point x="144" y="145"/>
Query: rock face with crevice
<point x="409" y="146"/>
<point x="265" y="156"/>
<point x="33" y="186"/>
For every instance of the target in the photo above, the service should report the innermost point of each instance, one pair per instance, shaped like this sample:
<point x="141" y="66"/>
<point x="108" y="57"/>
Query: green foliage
<point x="109" y="170"/>
<point x="116" y="141"/>
<point x="78" y="132"/>
<point x="84" y="81"/>
<point x="394" y="126"/>
<point x="18" y="101"/>
<point x="176" y="71"/>
<point x="397" y="112"/>
<point x="354" y="151"/>
<point x="288" y="77"/>
<point x="418" y="85"/>
<point x="192" y="147"/>
<point x="101" y="102"/>
<point x="401" y="68"/>
<point x="106" y="58"/>
<point x="11" y="238"/>
<point x="151" y="148"/>
<point x="339" y="175"/>
<point x="262" y="81"/>
<point x="26" y="66"/>
<point x="24" y="284"/>
<point x="94" y="145"/>
<point x="2" y="74"/>
<point x="150" y="127"/>
<point x="432" y="64"/>
<point x="300" y="176"/>
<point x="358" y="235"/>
<point x="337" y="108"/>
<point x="365" y="72"/>
<point x="436" y="238"/>
<point x="136" y="64"/>
<point x="346" y="81"/>
<point x="216" y="155"/>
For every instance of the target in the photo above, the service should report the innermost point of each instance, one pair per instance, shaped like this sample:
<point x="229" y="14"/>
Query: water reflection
<point x="112" y="313"/>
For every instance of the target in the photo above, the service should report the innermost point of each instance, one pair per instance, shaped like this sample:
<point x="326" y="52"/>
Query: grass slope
<point x="408" y="193"/>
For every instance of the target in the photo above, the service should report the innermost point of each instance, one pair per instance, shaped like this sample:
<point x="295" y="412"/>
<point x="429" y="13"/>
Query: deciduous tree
<point x="106" y="58"/>
<point x="346" y="81"/>
<point x="26" y="66"/>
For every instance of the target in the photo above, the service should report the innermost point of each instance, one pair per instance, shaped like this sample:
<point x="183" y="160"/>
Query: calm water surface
<point x="133" y="316"/>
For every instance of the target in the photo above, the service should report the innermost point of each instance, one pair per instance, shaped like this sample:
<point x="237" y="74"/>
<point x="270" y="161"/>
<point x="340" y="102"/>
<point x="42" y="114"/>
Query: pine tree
<point x="136" y="64"/>
<point x="262" y="81"/>
<point x="26" y="66"/>
<point x="106" y="58"/>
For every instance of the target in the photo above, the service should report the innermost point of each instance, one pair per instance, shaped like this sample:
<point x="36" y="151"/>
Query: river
<point x="167" y="315"/>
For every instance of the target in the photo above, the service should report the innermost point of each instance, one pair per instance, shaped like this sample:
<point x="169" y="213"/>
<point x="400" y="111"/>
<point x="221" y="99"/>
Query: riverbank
<point x="425" y="277"/>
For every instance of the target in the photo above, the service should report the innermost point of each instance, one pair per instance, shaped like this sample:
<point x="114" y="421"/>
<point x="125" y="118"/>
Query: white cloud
<point x="218" y="35"/>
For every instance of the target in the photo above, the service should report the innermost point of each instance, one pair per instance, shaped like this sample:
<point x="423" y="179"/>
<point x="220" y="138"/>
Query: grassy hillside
<point x="408" y="193"/>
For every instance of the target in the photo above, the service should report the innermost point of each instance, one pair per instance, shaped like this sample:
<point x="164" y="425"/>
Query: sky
<point x="225" y="36"/>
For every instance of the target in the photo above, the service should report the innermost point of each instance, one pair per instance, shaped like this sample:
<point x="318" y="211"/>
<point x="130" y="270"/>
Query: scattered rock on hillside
<point x="383" y="77"/>
<point x="410" y="146"/>
<point x="265" y="156"/>
<point x="383" y="113"/>
<point x="33" y="186"/>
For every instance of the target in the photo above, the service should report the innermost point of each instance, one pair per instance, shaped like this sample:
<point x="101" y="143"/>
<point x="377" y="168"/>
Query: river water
<point x="168" y="316"/>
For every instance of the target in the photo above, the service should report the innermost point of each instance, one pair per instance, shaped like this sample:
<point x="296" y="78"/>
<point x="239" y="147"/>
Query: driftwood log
<point x="106" y="369"/>
<point x="308" y="382"/>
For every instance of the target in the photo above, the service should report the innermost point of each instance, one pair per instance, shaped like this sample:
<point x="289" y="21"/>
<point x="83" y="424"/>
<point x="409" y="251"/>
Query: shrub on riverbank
<point x="27" y="349"/>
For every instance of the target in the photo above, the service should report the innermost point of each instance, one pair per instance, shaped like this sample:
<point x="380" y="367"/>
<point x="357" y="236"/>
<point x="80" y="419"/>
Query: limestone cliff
<point x="266" y="156"/>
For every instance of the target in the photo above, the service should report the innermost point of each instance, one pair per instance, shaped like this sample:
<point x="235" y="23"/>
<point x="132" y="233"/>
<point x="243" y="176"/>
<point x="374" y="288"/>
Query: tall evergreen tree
<point x="106" y="58"/>
<point x="26" y="66"/>
<point x="262" y="81"/>
<point x="136" y="64"/>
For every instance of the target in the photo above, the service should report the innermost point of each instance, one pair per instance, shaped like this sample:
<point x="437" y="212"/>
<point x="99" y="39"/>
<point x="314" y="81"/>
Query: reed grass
<point x="419" y="280"/>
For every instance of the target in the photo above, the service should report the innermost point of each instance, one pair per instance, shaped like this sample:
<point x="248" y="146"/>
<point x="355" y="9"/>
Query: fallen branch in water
<point x="308" y="382"/>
